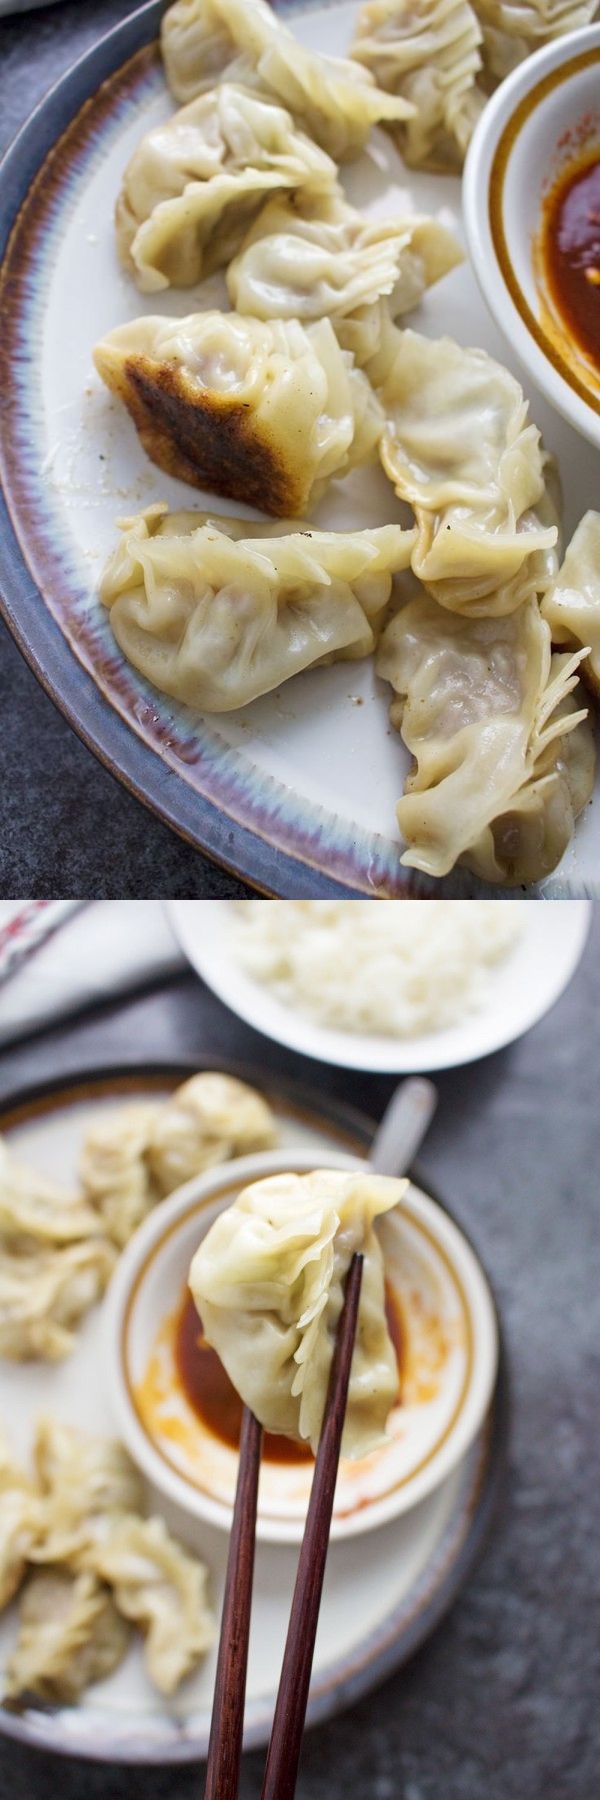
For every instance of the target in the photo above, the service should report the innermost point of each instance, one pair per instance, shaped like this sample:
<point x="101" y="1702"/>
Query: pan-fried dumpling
<point x="428" y="51"/>
<point x="84" y="1482"/>
<point x="485" y="711"/>
<point x="244" y="40"/>
<point x="572" y="604"/>
<point x="313" y="256"/>
<point x="70" y="1634"/>
<point x="459" y="449"/>
<point x="114" y="1171"/>
<point x="195" y="181"/>
<point x="209" y="1120"/>
<point x="217" y="622"/>
<point x="265" y="413"/>
<point x="513" y="28"/>
<point x="45" y="1292"/>
<point x="32" y="1208"/>
<point x="268" y="1284"/>
<point x="163" y="1589"/>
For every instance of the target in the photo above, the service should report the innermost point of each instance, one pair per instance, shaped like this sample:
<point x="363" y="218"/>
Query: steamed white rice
<point x="393" y="968"/>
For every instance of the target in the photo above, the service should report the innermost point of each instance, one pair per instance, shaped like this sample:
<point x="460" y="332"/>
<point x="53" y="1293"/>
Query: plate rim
<point x="385" y="1649"/>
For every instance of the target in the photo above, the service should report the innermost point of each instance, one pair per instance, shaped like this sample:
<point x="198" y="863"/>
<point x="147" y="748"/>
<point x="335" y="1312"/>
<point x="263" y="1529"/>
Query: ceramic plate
<point x="297" y="793"/>
<point x="377" y="1607"/>
<point x="525" y="984"/>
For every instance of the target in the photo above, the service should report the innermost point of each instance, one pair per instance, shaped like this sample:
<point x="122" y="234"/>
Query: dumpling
<point x="114" y="1171"/>
<point x="572" y="604"/>
<point x="84" y="1481"/>
<point x="209" y="1120"/>
<point x="244" y="40"/>
<point x="70" y="1634"/>
<point x="268" y="1283"/>
<point x="44" y="1294"/>
<point x="19" y="1522"/>
<point x="195" y="181"/>
<point x="427" y="51"/>
<point x="458" y="447"/>
<point x="163" y="1589"/>
<point x="32" y="1208"/>
<point x="485" y="711"/>
<point x="265" y="413"/>
<point x="313" y="256"/>
<point x="54" y="1262"/>
<point x="216" y="622"/>
<point x="513" y="28"/>
<point x="132" y="1158"/>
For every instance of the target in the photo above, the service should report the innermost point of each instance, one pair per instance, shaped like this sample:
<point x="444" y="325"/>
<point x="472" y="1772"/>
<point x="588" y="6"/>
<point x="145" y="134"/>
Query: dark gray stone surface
<point x="66" y="826"/>
<point x="502" y="1704"/>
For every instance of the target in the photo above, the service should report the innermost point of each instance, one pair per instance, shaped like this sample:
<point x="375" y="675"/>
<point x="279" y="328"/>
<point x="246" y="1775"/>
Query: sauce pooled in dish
<point x="213" y="1397"/>
<point x="571" y="253"/>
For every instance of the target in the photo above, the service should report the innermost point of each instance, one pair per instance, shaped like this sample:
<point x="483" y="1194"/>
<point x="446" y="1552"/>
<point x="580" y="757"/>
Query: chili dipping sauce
<point x="212" y="1396"/>
<point x="570" y="246"/>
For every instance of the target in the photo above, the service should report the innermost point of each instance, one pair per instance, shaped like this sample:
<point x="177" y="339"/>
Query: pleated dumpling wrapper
<point x="217" y="620"/>
<point x="459" y="446"/>
<point x="503" y="752"/>
<point x="55" y="1263"/>
<point x="313" y="256"/>
<point x="264" y="413"/>
<point x="572" y="603"/>
<point x="70" y="1634"/>
<point x="196" y="180"/>
<point x="335" y="100"/>
<point x="512" y="29"/>
<point x="427" y="52"/>
<point x="268" y="1283"/>
<point x="18" y="1521"/>
<point x="136" y="1156"/>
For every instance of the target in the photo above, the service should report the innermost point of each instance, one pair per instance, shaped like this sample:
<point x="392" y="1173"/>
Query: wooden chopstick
<point x="290" y="1710"/>
<point x="227" y="1722"/>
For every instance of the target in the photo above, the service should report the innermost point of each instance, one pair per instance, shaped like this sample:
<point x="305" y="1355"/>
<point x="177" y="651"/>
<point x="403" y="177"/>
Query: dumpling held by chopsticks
<point x="268" y="1283"/>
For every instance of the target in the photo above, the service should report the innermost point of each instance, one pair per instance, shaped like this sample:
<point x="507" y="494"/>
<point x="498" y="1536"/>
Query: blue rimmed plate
<point x="377" y="1608"/>
<point x="297" y="793"/>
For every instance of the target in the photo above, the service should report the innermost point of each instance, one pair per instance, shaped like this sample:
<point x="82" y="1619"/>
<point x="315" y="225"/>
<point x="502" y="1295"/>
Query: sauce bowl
<point x="449" y="1349"/>
<point x="543" y="116"/>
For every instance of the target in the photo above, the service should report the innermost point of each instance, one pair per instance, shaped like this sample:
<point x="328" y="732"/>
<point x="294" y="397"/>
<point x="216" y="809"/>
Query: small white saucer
<point x="543" y="116"/>
<point x="449" y="1363"/>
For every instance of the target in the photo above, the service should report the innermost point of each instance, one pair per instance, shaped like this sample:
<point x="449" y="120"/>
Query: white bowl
<point x="522" y="988"/>
<point x="450" y="1337"/>
<point x="518" y="147"/>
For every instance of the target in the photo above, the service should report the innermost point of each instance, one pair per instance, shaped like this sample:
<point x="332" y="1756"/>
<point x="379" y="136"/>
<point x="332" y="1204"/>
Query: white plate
<point x="297" y="791"/>
<point x="377" y="1606"/>
<point x="524" y="986"/>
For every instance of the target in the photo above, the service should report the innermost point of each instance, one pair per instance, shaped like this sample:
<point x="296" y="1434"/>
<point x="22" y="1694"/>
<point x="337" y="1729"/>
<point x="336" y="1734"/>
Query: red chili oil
<point x="214" y="1399"/>
<point x="570" y="243"/>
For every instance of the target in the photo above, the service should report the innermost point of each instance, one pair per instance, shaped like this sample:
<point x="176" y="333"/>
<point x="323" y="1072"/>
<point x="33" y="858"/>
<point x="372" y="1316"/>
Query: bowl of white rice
<point x="400" y="986"/>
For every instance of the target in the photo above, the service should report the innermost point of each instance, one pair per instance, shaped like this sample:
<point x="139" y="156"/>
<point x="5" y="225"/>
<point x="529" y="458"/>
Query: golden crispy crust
<point x="205" y="438"/>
